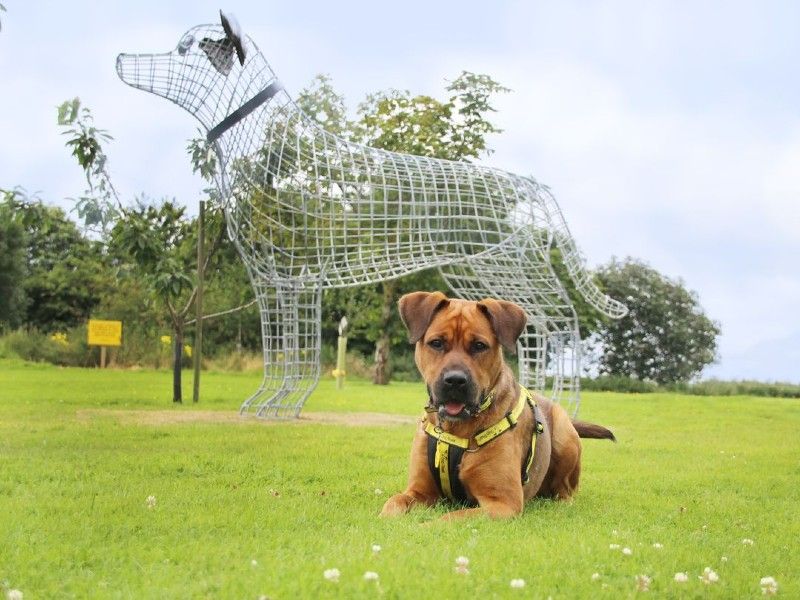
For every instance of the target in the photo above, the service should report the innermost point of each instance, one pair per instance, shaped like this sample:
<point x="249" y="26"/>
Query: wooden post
<point x="198" y="326"/>
<point x="177" y="349"/>
<point x="102" y="357"/>
<point x="341" y="353"/>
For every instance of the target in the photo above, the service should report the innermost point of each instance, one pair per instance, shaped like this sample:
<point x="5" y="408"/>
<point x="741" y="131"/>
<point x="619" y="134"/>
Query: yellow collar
<point x="490" y="433"/>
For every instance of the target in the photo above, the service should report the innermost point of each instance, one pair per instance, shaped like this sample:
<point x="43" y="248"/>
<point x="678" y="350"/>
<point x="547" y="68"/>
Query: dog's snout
<point x="455" y="378"/>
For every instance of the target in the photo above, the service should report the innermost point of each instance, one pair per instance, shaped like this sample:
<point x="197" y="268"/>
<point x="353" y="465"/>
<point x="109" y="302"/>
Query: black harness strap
<point x="454" y="456"/>
<point x="538" y="424"/>
<point x="453" y="489"/>
<point x="244" y="110"/>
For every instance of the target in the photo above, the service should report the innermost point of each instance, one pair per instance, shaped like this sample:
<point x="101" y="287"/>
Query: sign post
<point x="104" y="334"/>
<point x="341" y="353"/>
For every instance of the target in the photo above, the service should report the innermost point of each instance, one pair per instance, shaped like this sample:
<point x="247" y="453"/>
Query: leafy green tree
<point x="13" y="246"/>
<point x="666" y="337"/>
<point x="159" y="242"/>
<point x="100" y="204"/>
<point x="455" y="129"/>
<point x="65" y="274"/>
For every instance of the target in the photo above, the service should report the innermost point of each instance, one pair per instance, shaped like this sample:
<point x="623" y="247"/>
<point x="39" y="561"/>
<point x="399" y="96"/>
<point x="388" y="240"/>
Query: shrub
<point x="67" y="349"/>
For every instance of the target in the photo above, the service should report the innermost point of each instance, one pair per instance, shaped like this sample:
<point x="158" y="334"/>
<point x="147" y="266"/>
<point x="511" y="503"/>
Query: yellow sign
<point x="105" y="333"/>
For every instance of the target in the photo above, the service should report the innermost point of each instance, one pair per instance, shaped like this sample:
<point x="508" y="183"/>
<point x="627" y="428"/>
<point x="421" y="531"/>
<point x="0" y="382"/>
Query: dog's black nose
<point x="455" y="379"/>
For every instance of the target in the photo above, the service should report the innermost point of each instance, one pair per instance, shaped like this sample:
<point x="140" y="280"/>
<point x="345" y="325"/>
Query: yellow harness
<point x="446" y="450"/>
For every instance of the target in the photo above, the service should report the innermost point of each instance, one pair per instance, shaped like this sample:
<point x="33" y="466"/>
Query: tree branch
<point x="224" y="312"/>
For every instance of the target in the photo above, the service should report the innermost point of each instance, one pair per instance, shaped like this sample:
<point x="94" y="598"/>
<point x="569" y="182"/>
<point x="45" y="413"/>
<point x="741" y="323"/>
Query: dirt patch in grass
<point x="170" y="417"/>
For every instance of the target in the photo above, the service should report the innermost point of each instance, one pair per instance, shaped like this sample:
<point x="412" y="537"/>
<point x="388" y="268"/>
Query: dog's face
<point x="459" y="347"/>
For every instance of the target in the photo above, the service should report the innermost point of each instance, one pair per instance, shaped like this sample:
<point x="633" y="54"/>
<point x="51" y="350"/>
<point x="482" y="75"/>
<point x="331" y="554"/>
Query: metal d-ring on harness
<point x="446" y="450"/>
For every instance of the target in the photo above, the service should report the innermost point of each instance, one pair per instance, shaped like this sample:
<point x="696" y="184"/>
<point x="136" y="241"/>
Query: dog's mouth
<point x="453" y="409"/>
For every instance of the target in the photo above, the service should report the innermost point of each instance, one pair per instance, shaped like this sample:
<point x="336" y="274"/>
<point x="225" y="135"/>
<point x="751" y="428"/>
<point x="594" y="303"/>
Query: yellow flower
<point x="60" y="338"/>
<point x="166" y="340"/>
<point x="187" y="349"/>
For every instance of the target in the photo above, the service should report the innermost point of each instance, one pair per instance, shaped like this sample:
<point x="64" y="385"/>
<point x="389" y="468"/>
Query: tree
<point x="158" y="241"/>
<point x="12" y="263"/>
<point x="100" y="204"/>
<point x="454" y="129"/>
<point x="665" y="337"/>
<point x="64" y="271"/>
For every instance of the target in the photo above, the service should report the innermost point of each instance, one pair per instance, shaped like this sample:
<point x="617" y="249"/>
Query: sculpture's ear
<point x="507" y="319"/>
<point x="417" y="310"/>
<point x="233" y="33"/>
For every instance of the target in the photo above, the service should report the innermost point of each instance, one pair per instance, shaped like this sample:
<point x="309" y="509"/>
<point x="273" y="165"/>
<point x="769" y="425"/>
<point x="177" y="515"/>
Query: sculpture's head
<point x="213" y="70"/>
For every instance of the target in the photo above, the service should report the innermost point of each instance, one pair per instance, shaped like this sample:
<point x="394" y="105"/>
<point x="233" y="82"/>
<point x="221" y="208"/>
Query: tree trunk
<point x="177" y="395"/>
<point x="382" y="346"/>
<point x="198" y="326"/>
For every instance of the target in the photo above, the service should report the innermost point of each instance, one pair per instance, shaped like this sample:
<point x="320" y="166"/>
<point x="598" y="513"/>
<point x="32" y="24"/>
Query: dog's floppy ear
<point x="507" y="319"/>
<point x="417" y="310"/>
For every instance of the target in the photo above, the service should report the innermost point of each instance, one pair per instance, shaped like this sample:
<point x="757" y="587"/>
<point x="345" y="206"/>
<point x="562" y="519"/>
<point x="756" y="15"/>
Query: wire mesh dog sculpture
<point x="308" y="210"/>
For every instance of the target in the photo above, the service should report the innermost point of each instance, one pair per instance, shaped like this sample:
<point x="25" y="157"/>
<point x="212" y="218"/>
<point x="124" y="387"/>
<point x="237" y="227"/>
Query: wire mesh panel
<point x="308" y="210"/>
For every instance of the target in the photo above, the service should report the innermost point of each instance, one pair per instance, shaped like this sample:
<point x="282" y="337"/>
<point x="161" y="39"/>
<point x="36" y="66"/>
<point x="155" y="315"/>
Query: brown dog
<point x="484" y="440"/>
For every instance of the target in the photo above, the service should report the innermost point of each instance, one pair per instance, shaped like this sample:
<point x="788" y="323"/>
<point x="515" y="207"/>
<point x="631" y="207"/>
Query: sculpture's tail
<point x="575" y="263"/>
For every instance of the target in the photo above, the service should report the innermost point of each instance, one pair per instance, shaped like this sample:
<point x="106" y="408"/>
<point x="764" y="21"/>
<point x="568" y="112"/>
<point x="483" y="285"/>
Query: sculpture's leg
<point x="291" y="332"/>
<point x="565" y="366"/>
<point x="271" y="382"/>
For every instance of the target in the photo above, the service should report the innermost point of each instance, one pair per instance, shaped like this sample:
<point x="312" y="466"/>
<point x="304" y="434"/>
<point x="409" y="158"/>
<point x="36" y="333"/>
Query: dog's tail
<point x="590" y="430"/>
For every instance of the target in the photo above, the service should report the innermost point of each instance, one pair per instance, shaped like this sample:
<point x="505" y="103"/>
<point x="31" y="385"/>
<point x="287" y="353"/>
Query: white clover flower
<point x="14" y="595"/>
<point x="370" y="576"/>
<point x="595" y="576"/>
<point x="681" y="577"/>
<point x="254" y="563"/>
<point x="658" y="546"/>
<point x="150" y="501"/>
<point x="462" y="561"/>
<point x="643" y="583"/>
<point x="331" y="575"/>
<point x="769" y="587"/>
<point x="627" y="551"/>
<point x="378" y="492"/>
<point x="613" y="546"/>
<point x="724" y="558"/>
<point x="517" y="583"/>
<point x="375" y="548"/>
<point x="709" y="576"/>
<point x="747" y="542"/>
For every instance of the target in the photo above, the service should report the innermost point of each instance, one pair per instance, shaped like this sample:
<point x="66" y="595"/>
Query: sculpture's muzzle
<point x="148" y="72"/>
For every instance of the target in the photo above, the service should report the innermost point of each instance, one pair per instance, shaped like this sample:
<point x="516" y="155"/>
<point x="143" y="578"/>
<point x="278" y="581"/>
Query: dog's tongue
<point x="453" y="408"/>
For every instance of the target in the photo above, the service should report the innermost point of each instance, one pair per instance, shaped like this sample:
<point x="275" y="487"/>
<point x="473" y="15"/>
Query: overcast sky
<point x="668" y="131"/>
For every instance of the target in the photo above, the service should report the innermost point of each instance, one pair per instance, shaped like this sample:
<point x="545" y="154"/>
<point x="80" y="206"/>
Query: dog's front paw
<point x="397" y="505"/>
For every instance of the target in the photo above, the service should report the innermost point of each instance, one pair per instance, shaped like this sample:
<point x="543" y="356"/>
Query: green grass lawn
<point x="244" y="509"/>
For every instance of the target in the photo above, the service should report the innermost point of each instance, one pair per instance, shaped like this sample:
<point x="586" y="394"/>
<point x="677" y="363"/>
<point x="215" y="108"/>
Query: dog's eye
<point x="478" y="346"/>
<point x="436" y="344"/>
